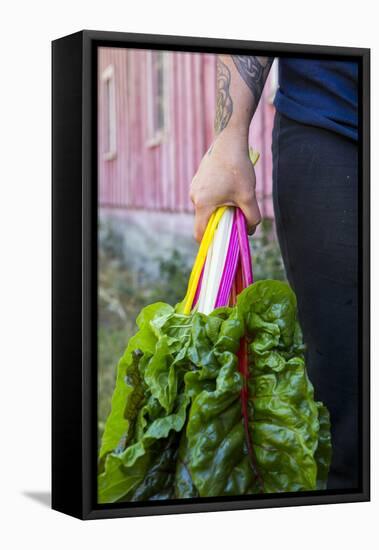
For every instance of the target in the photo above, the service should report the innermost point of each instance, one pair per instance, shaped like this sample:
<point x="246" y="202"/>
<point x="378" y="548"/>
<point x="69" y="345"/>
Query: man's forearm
<point x="240" y="81"/>
<point x="226" y="174"/>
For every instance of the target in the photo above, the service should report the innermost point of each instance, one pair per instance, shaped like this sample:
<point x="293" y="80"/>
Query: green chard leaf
<point x="176" y="428"/>
<point x="144" y="340"/>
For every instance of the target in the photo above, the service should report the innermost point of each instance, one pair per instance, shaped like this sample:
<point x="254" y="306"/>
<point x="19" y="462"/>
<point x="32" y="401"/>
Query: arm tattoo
<point x="224" y="107"/>
<point x="254" y="71"/>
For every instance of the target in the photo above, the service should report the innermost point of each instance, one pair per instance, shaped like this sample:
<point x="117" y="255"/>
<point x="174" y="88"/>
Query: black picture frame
<point x="74" y="273"/>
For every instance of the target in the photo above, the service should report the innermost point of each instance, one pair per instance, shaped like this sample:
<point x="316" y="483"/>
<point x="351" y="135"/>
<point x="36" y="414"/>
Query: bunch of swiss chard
<point x="178" y="427"/>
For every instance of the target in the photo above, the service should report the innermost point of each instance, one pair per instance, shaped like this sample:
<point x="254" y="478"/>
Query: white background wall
<point x="26" y="31"/>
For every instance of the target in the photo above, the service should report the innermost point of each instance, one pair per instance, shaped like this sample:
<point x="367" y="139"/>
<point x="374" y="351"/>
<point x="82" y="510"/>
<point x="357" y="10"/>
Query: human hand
<point x="225" y="176"/>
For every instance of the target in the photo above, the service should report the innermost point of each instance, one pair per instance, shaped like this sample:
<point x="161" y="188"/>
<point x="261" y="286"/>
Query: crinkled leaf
<point x="144" y="340"/>
<point x="176" y="427"/>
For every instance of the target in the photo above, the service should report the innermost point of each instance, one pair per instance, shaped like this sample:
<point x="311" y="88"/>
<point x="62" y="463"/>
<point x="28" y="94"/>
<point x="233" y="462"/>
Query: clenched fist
<point x="225" y="177"/>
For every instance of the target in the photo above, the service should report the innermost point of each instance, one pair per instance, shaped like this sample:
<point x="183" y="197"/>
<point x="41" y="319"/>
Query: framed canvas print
<point x="210" y="274"/>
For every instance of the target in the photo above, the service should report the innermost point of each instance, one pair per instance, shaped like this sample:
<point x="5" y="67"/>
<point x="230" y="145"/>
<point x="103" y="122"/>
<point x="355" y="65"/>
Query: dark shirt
<point x="319" y="93"/>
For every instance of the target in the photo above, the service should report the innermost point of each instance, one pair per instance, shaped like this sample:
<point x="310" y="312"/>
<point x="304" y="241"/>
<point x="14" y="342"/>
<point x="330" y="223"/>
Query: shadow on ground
<point x="42" y="497"/>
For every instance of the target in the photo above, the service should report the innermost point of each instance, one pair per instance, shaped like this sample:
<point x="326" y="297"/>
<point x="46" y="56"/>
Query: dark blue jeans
<point x="315" y="192"/>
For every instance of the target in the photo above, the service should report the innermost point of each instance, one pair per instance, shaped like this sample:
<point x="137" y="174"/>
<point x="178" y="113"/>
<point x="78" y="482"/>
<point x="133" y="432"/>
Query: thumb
<point x="252" y="213"/>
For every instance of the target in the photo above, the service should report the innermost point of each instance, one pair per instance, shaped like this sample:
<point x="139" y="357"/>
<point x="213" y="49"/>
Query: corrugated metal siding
<point x="158" y="177"/>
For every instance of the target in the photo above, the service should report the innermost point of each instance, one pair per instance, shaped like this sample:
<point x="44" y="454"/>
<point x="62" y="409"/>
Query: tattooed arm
<point x="225" y="174"/>
<point x="240" y="81"/>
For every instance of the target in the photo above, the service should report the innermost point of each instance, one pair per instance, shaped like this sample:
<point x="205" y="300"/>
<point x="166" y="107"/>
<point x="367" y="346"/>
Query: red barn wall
<point x="157" y="177"/>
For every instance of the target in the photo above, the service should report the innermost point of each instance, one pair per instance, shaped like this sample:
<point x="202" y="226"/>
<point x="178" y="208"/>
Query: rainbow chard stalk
<point x="243" y="363"/>
<point x="228" y="264"/>
<point x="244" y="278"/>
<point x="230" y="267"/>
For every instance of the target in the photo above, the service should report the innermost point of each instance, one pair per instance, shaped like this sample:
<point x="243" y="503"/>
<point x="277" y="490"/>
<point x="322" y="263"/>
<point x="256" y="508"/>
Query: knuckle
<point x="197" y="235"/>
<point x="246" y="196"/>
<point x="197" y="200"/>
<point x="192" y="191"/>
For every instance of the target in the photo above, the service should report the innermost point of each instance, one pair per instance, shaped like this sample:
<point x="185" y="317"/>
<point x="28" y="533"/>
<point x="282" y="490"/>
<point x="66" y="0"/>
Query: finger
<point x="202" y="216"/>
<point x="252" y="214"/>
